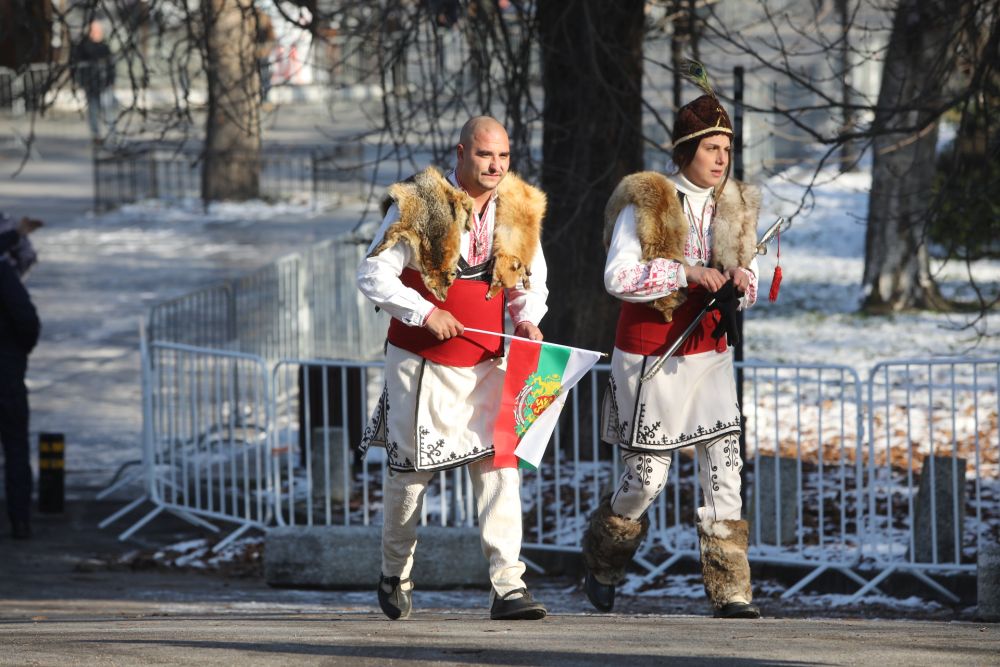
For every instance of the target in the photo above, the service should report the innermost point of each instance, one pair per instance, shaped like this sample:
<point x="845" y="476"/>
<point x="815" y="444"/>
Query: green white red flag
<point x="539" y="377"/>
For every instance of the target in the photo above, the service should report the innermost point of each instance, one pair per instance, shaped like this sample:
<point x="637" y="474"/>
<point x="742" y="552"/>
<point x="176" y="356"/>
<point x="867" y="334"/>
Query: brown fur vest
<point x="433" y="214"/>
<point x="663" y="228"/>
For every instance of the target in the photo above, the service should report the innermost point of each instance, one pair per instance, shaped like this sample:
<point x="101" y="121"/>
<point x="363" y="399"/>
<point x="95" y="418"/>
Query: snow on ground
<point x="99" y="276"/>
<point x="822" y="258"/>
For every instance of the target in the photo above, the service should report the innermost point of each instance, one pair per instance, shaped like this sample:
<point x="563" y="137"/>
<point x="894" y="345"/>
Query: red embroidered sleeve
<point x="751" y="295"/>
<point x="657" y="275"/>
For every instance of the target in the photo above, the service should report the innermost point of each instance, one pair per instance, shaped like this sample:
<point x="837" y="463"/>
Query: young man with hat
<point x="674" y="243"/>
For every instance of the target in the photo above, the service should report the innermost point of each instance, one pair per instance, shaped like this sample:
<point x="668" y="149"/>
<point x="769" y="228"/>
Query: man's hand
<point x="741" y="281"/>
<point x="528" y="330"/>
<point x="711" y="279"/>
<point x="28" y="225"/>
<point x="443" y="325"/>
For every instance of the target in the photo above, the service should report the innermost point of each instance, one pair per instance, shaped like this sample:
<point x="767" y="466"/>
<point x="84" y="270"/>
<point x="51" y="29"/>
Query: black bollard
<point x="51" y="470"/>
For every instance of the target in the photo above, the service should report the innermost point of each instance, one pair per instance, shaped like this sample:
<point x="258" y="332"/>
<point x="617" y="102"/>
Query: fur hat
<point x="703" y="116"/>
<point x="699" y="118"/>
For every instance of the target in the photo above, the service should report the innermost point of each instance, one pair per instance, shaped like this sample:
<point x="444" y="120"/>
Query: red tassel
<point x="775" y="285"/>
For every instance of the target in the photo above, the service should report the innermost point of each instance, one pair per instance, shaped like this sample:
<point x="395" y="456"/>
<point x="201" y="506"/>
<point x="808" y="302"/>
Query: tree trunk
<point x="918" y="63"/>
<point x="231" y="165"/>
<point x="25" y="33"/>
<point x="848" y="152"/>
<point x="592" y="137"/>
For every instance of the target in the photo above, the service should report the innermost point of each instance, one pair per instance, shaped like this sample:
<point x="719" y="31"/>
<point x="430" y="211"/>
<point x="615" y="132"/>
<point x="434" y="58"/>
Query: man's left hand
<point x="528" y="330"/>
<point x="741" y="281"/>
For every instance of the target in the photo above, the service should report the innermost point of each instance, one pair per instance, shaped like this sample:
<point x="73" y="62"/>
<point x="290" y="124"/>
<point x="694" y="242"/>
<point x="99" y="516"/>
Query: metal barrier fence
<point x="25" y="90"/>
<point x="804" y="429"/>
<point x="302" y="305"/>
<point x="206" y="427"/>
<point x="934" y="482"/>
<point x="228" y="438"/>
<point x="805" y="466"/>
<point x="156" y="170"/>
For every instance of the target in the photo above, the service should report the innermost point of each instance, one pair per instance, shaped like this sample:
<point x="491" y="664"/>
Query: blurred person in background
<point x="19" y="329"/>
<point x="94" y="72"/>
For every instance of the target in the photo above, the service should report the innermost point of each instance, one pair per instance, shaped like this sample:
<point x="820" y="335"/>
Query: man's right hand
<point x="711" y="279"/>
<point x="443" y="325"/>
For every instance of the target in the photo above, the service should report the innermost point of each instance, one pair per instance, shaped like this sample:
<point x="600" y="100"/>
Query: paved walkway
<point x="106" y="634"/>
<point x="67" y="598"/>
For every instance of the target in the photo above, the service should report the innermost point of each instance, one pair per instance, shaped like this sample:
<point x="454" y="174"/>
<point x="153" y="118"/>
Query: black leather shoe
<point x="602" y="596"/>
<point x="737" y="610"/>
<point x="522" y="608"/>
<point x="396" y="603"/>
<point x="21" y="530"/>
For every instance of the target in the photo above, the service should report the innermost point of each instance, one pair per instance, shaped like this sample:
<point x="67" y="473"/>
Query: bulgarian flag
<point x="539" y="377"/>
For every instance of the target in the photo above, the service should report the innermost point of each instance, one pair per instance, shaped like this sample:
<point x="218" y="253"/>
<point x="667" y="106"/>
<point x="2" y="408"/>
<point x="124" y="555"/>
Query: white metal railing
<point x="831" y="472"/>
<point x="206" y="427"/>
<point x="810" y="416"/>
<point x="933" y="479"/>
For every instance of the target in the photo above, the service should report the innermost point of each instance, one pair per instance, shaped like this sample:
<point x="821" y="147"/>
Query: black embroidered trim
<point x="379" y="421"/>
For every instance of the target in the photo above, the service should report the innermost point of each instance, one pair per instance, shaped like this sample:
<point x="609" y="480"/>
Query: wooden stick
<point x="537" y="342"/>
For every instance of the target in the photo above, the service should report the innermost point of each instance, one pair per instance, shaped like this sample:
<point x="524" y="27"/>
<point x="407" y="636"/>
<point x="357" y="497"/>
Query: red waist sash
<point x="467" y="302"/>
<point x="642" y="330"/>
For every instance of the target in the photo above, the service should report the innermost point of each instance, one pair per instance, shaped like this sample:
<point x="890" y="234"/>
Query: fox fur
<point x="662" y="226"/>
<point x="610" y="542"/>
<point x="433" y="214"/>
<point x="724" y="566"/>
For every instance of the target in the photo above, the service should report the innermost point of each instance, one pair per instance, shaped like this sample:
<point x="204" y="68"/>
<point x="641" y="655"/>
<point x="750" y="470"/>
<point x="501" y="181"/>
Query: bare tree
<point x="587" y="90"/>
<point x="232" y="130"/>
<point x="920" y="63"/>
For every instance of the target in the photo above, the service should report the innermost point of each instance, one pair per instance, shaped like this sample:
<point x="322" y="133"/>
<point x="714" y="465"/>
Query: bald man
<point x="454" y="250"/>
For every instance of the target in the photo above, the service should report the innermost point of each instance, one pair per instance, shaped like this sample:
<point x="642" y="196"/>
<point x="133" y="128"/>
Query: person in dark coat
<point x="19" y="329"/>
<point x="95" y="73"/>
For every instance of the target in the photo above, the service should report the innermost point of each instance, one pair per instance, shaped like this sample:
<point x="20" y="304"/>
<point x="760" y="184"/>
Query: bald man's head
<point x="477" y="124"/>
<point x="483" y="155"/>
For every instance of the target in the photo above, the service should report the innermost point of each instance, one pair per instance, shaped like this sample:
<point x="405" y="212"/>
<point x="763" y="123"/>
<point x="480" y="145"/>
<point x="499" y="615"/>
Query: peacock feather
<point x="695" y="72"/>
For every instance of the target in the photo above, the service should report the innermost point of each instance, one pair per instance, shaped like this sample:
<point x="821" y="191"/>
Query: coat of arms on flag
<point x="539" y="377"/>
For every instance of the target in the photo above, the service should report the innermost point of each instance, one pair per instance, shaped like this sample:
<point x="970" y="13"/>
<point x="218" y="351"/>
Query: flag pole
<point x="528" y="340"/>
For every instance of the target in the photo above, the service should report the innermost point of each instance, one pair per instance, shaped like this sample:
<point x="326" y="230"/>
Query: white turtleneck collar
<point x="696" y="193"/>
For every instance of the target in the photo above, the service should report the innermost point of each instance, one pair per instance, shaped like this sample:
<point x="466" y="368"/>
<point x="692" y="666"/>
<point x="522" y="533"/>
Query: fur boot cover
<point x="433" y="214"/>
<point x="662" y="227"/>
<point x="724" y="565"/>
<point x="610" y="542"/>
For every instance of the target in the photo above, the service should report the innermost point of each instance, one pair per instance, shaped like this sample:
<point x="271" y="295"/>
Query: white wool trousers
<point x="498" y="502"/>
<point x="719" y="467"/>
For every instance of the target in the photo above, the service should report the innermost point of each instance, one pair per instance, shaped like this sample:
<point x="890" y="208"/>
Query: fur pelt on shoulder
<point x="433" y="214"/>
<point x="659" y="223"/>
<point x="734" y="228"/>
<point x="518" y="228"/>
<point x="662" y="227"/>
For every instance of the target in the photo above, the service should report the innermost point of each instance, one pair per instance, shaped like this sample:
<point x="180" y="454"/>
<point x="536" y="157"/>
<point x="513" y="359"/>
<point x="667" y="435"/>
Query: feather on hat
<point x="702" y="116"/>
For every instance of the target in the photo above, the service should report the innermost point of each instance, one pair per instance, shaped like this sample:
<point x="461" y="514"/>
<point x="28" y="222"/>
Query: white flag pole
<point x="537" y="342"/>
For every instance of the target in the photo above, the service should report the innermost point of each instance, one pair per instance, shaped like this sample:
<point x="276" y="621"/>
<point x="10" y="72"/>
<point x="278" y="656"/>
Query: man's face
<point x="710" y="161"/>
<point x="484" y="162"/>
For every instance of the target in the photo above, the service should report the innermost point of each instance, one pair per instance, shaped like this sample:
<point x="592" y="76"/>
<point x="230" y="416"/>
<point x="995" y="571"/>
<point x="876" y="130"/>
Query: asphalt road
<point x="65" y="599"/>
